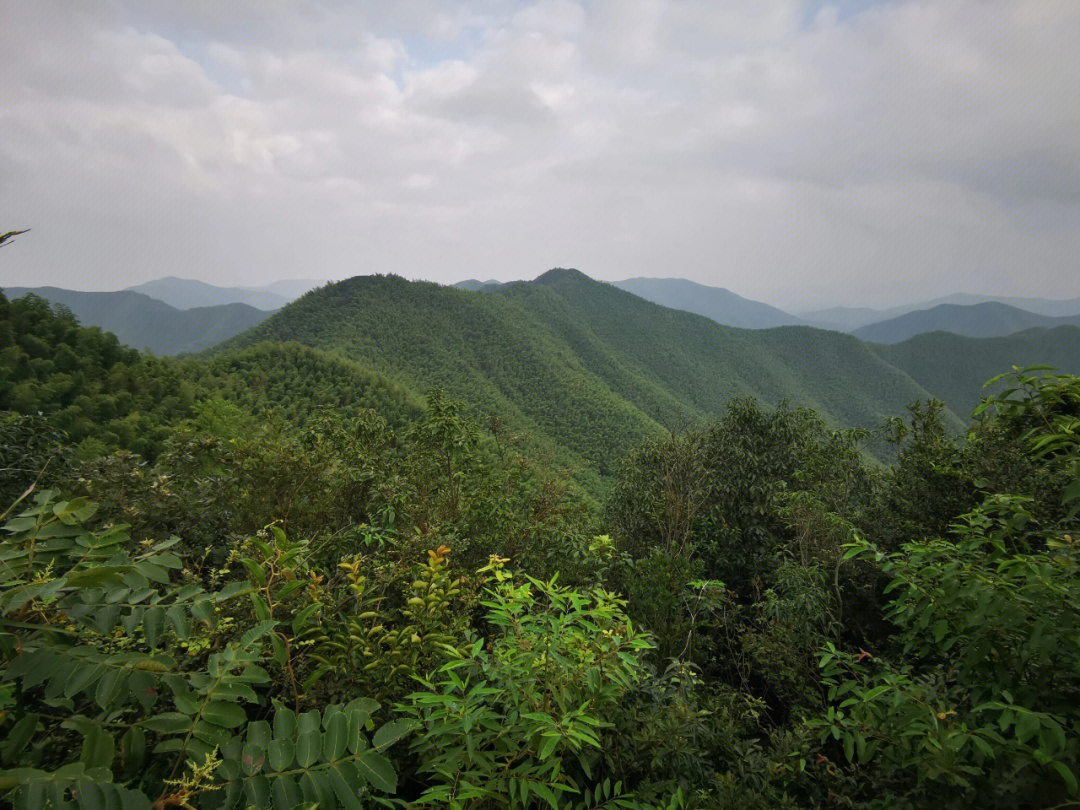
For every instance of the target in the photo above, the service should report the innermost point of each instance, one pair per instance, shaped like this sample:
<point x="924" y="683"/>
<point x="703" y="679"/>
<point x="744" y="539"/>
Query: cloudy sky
<point x="795" y="152"/>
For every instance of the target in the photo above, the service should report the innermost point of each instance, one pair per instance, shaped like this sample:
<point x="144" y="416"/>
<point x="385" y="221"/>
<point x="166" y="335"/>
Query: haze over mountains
<point x="960" y="313"/>
<point x="848" y="319"/>
<point x="990" y="319"/>
<point x="186" y="293"/>
<point x="146" y="323"/>
<point x="722" y="306"/>
<point x="174" y="315"/>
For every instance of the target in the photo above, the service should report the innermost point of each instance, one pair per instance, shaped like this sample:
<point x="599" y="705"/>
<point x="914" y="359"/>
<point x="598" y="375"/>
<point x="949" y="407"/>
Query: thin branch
<point x="5" y="238"/>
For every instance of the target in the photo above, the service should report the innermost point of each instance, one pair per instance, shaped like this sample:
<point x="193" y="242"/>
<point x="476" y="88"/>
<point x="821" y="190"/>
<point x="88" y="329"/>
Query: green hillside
<point x="106" y="396"/>
<point x="296" y="381"/>
<point x="82" y="381"/>
<point x="146" y="323"/>
<point x="989" y="319"/>
<point x="954" y="368"/>
<point x="580" y="365"/>
<point x="475" y="284"/>
<point x="703" y="365"/>
<point x="308" y="598"/>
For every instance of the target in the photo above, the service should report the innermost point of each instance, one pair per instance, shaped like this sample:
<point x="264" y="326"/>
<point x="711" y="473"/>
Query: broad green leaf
<point x="377" y="770"/>
<point x="224" y="714"/>
<point x="390" y="733"/>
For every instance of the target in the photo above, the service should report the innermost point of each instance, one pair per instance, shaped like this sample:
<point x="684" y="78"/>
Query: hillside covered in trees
<point x="583" y="367"/>
<point x="278" y="576"/>
<point x="953" y="368"/>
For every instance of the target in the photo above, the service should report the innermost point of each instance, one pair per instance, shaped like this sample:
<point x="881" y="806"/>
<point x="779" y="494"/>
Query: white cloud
<point x="786" y="150"/>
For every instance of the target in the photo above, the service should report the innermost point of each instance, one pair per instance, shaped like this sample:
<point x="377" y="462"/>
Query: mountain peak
<point x="558" y="274"/>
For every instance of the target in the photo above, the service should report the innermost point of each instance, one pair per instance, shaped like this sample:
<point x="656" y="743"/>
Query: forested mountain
<point x="581" y="365"/>
<point x="990" y="319"/>
<point x="716" y="303"/>
<point x="188" y="293"/>
<point x="847" y="319"/>
<point x="108" y="396"/>
<point x="953" y="368"/>
<point x="270" y="577"/>
<point x="143" y="322"/>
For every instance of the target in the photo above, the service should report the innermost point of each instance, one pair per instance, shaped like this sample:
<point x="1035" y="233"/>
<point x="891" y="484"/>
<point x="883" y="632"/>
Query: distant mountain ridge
<point x="188" y="293"/>
<point x="715" y="303"/>
<point x="850" y="319"/>
<point x="985" y="320"/>
<point x="476" y="285"/>
<point x="143" y="322"/>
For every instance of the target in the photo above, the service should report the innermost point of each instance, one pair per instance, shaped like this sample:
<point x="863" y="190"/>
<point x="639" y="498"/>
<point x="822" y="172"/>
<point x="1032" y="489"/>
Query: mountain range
<point x="990" y="319"/>
<point x="722" y="306"/>
<point x="585" y="369"/>
<point x="961" y="313"/>
<point x="849" y="319"/>
<point x="187" y="293"/>
<point x="954" y="368"/>
<point x="143" y="322"/>
<point x="475" y="284"/>
<point x="581" y="366"/>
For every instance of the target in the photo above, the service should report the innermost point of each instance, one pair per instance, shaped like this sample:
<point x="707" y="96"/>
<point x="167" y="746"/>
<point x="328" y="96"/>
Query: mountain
<point x="476" y="285"/>
<point x="847" y="319"/>
<point x="583" y="367"/>
<point x="716" y="303"/>
<point x="954" y="368"/>
<point x="143" y="322"/>
<point x="187" y="293"/>
<point x="990" y="319"/>
<point x="850" y="319"/>
<point x="1053" y="308"/>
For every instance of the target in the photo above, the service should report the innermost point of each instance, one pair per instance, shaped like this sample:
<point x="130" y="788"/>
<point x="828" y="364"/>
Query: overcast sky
<point x="795" y="152"/>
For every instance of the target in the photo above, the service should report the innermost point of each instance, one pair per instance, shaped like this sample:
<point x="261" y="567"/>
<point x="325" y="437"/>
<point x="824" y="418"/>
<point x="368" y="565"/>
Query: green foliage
<point x="31" y="450"/>
<point x="94" y="627"/>
<point x="977" y="706"/>
<point x="521" y="723"/>
<point x="298" y="382"/>
<point x="264" y="596"/>
<point x="99" y="393"/>
<point x="587" y="371"/>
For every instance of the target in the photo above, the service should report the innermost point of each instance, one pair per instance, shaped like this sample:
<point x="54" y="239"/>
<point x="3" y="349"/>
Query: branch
<point x="7" y="237"/>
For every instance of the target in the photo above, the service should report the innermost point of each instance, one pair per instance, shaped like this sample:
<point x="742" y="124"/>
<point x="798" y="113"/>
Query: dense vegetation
<point x="101" y="394"/>
<point x="953" y="368"/>
<point x="149" y="324"/>
<point x="588" y="371"/>
<point x="297" y="584"/>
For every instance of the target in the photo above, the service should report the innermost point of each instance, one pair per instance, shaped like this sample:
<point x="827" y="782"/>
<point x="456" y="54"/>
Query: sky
<point x="800" y="153"/>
